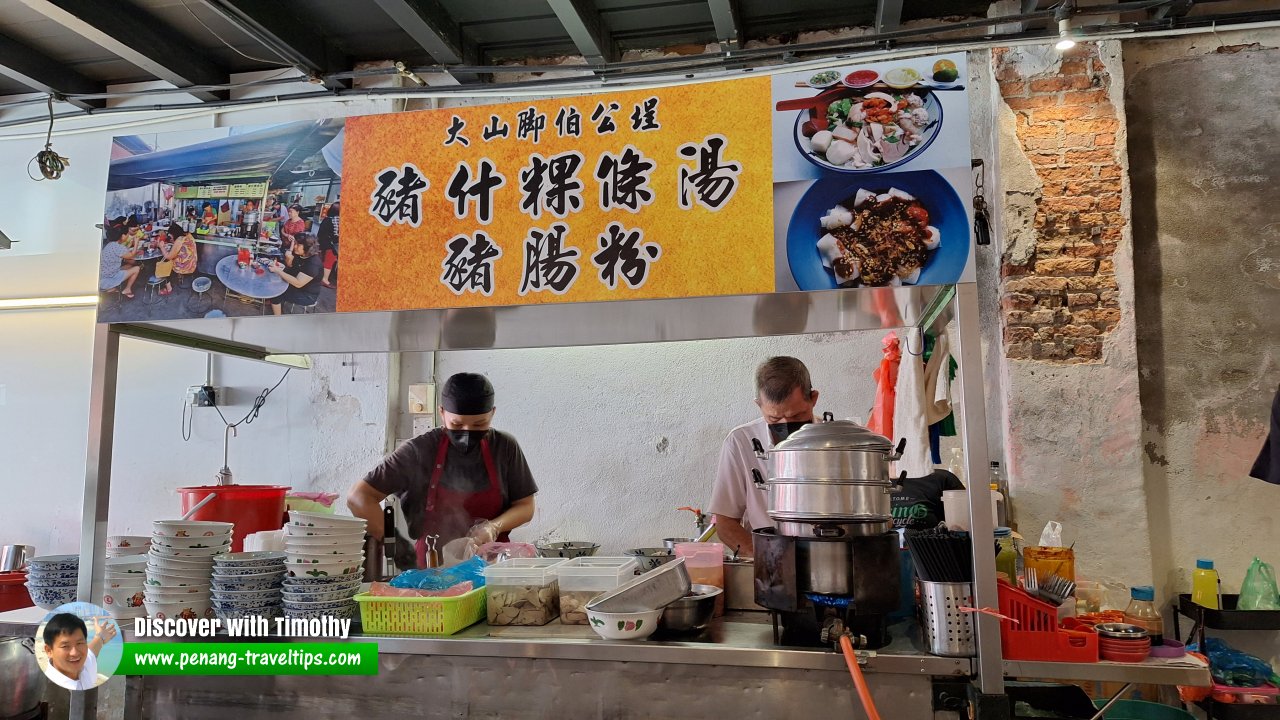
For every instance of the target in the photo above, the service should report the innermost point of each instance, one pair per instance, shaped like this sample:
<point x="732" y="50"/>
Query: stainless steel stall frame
<point x="288" y="339"/>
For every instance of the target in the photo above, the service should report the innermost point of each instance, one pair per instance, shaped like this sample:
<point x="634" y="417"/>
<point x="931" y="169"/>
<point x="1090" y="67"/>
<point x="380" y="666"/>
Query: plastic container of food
<point x="706" y="566"/>
<point x="583" y="578"/>
<point x="523" y="591"/>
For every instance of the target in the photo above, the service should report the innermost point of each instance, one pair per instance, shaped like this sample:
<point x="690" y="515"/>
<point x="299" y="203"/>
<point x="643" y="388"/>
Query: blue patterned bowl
<point x="262" y="558"/>
<point x="305" y="596"/>
<point x="248" y="570"/>
<point x="237" y="613"/>
<point x="54" y="563"/>
<point x="245" y="604"/>
<point x="49" y="598"/>
<point x="271" y="594"/>
<point x="51" y="577"/>
<point x="304" y="580"/>
<point x="234" y="586"/>
<point x="340" y="613"/>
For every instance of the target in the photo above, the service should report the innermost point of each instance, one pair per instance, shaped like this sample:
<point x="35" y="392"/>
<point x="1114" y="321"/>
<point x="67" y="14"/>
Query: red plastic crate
<point x="1037" y="635"/>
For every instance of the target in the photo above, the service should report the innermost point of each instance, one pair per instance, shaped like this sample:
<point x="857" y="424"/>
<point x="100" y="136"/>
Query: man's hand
<point x="105" y="630"/>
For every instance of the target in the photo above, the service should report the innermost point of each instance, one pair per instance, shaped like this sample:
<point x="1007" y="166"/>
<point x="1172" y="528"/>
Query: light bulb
<point x="1064" y="32"/>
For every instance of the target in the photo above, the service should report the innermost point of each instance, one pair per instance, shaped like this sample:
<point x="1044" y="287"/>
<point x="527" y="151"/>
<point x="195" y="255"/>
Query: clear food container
<point x="583" y="578"/>
<point x="523" y="591"/>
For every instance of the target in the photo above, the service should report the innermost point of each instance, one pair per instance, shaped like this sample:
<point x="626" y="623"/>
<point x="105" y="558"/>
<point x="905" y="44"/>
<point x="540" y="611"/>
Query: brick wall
<point x="1060" y="303"/>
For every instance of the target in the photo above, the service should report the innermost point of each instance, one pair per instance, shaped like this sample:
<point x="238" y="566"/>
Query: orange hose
<point x="859" y="682"/>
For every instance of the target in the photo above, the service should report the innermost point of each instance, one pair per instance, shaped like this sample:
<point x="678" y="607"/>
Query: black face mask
<point x="466" y="440"/>
<point x="781" y="431"/>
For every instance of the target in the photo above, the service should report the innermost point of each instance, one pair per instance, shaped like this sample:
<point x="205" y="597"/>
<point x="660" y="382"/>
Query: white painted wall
<point x="620" y="436"/>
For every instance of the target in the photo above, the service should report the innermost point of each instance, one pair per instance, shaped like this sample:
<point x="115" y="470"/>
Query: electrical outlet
<point x="422" y="398"/>
<point x="202" y="396"/>
<point x="423" y="424"/>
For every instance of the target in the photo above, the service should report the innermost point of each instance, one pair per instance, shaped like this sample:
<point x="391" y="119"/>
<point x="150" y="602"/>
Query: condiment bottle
<point x="1204" y="585"/>
<point x="1143" y="613"/>
<point x="1007" y="558"/>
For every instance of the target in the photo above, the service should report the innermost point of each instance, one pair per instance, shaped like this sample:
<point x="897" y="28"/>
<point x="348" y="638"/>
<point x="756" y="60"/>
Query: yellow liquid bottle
<point x="1204" y="585"/>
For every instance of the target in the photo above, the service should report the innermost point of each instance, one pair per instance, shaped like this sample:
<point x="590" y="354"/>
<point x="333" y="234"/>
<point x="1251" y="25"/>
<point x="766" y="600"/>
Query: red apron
<point x="486" y="504"/>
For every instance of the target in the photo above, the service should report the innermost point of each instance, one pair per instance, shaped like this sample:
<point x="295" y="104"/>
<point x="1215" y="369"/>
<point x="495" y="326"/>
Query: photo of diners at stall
<point x="222" y="223"/>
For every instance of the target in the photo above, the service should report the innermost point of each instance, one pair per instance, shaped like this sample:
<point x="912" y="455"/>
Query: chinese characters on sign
<point x="563" y="201"/>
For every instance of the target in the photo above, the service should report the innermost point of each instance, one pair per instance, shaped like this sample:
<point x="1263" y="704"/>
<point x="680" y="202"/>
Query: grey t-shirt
<point x="406" y="473"/>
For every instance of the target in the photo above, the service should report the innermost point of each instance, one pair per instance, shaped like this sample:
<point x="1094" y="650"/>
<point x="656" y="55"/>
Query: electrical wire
<point x="229" y="45"/>
<point x="257" y="404"/>
<point x="51" y="164"/>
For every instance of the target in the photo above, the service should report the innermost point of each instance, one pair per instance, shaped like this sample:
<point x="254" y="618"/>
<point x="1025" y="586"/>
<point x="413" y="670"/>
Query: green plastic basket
<point x="420" y="615"/>
<point x="1139" y="710"/>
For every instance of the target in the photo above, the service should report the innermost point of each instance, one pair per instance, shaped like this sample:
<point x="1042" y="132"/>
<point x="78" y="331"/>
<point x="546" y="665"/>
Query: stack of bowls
<point x="180" y="566"/>
<point x="51" y="580"/>
<point x="124" y="585"/>
<point x="1123" y="642"/>
<point x="126" y="545"/>
<point x="248" y="584"/>
<point x="325" y="564"/>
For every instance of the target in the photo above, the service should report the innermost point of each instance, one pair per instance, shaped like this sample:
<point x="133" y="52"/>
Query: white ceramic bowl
<point x="130" y="564"/>
<point x="192" y="543"/>
<point x="128" y="542"/>
<point x="193" y="608"/>
<point x="261" y="558"/>
<point x="124" y="583"/>
<point x="190" y="572"/>
<point x="165" y="582"/>
<point x="292" y="558"/>
<point x="127" y="552"/>
<point x="190" y="528"/>
<point x="325" y="569"/>
<point x="198" y="552"/>
<point x="324" y="543"/>
<point x="123" y="597"/>
<point x="324" y="551"/>
<point x="161" y="591"/>
<point x="155" y="559"/>
<point x="309" y="519"/>
<point x="624" y="626"/>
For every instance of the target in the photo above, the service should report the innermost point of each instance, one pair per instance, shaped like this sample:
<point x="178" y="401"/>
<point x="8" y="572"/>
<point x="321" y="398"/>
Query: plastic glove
<point x="483" y="532"/>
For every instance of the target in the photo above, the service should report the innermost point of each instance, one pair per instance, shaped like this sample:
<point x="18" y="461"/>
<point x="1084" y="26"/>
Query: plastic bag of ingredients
<point x="1259" y="589"/>
<point x="1232" y="667"/>
<point x="380" y="589"/>
<point x="442" y="578"/>
<point x="498" y="551"/>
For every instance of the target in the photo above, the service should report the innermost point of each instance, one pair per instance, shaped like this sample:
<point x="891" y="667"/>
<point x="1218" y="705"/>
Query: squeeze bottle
<point x="1204" y="585"/>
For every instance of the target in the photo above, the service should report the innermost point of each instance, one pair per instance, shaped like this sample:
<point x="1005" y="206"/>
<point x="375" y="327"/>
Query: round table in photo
<point x="247" y="283"/>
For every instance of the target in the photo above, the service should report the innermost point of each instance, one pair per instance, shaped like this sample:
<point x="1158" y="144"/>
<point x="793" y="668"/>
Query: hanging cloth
<point x="886" y="377"/>
<point x="909" y="412"/>
<point x="1267" y="467"/>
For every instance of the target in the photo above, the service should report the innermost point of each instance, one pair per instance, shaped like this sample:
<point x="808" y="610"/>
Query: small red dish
<point x="861" y="78"/>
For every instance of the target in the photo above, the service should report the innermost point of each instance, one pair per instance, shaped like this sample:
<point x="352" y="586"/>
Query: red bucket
<point x="252" y="508"/>
<point x="13" y="593"/>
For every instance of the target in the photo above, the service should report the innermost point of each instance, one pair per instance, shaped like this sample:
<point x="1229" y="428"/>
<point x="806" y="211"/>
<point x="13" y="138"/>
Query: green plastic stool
<point x="1140" y="710"/>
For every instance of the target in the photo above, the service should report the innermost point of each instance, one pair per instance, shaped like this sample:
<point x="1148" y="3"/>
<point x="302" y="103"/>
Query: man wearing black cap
<point x="461" y="479"/>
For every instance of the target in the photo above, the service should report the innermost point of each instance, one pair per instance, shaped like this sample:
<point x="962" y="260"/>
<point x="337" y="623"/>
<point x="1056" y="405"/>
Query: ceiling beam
<point x="586" y="28"/>
<point x="136" y="38"/>
<point x="724" y="14"/>
<point x="888" y="15"/>
<point x="44" y="74"/>
<point x="434" y="29"/>
<point x="285" y="33"/>
<point x="1176" y="9"/>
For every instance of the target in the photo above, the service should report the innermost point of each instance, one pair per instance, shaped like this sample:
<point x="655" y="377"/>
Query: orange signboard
<point x="606" y="197"/>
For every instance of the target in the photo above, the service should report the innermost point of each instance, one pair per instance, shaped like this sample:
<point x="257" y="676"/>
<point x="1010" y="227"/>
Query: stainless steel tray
<point x="655" y="589"/>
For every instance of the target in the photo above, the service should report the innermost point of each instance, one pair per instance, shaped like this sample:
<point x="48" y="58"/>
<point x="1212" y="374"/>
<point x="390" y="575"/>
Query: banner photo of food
<point x="872" y="176"/>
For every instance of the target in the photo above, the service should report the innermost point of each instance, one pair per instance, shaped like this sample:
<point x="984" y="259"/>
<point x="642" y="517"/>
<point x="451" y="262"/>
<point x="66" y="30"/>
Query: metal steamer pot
<point x="24" y="683"/>
<point x="830" y="475"/>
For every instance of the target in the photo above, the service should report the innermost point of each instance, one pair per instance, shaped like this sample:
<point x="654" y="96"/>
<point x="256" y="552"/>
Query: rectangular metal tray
<point x="655" y="589"/>
<point x="1229" y="618"/>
